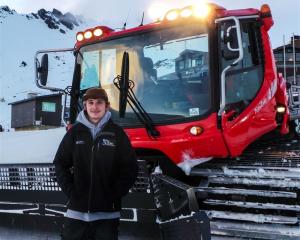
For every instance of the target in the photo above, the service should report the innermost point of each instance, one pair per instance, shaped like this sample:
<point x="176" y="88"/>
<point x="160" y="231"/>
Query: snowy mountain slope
<point x="21" y="35"/>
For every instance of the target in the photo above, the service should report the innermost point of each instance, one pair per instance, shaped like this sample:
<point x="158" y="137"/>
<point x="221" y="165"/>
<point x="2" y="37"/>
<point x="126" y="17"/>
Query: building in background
<point x="289" y="54"/>
<point x="37" y="112"/>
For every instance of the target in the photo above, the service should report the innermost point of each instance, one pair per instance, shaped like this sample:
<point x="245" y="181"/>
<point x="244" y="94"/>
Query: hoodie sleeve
<point x="63" y="164"/>
<point x="128" y="167"/>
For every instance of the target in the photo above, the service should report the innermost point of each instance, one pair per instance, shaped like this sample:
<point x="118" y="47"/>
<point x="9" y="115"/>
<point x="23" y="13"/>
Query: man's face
<point x="96" y="109"/>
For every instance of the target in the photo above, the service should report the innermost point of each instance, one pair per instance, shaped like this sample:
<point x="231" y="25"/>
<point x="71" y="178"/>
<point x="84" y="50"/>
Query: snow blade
<point x="194" y="227"/>
<point x="173" y="198"/>
<point x="178" y="210"/>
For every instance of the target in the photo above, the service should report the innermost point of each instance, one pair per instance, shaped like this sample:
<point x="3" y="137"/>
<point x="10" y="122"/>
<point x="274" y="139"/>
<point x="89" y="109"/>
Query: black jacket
<point x="95" y="174"/>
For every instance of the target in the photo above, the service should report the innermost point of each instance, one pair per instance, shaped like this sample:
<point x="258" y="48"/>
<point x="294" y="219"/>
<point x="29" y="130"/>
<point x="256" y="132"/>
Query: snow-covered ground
<point x="30" y="146"/>
<point x="126" y="232"/>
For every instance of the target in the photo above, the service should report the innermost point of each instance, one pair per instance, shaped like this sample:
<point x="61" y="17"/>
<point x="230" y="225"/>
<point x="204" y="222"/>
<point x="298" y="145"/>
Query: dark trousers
<point x="106" y="229"/>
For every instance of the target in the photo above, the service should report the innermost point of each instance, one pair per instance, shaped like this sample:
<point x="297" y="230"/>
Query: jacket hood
<point x="82" y="118"/>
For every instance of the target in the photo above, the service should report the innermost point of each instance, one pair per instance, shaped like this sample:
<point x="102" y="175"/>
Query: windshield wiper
<point x="125" y="87"/>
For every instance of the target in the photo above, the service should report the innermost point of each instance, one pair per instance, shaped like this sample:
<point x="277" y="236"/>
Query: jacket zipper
<point x="91" y="180"/>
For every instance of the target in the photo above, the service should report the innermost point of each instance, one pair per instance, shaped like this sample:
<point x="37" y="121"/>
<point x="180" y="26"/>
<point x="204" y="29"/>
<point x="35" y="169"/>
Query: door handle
<point x="231" y="115"/>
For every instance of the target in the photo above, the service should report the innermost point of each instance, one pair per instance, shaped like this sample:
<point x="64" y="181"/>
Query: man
<point x="95" y="166"/>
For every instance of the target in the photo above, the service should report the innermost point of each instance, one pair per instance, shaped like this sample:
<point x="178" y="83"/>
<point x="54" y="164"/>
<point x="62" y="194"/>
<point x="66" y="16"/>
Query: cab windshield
<point x="169" y="69"/>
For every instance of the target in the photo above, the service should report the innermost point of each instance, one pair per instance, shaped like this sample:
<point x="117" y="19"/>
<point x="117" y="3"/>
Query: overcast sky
<point x="115" y="12"/>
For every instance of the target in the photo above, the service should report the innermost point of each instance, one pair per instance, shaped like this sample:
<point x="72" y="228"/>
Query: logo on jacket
<point x="80" y="142"/>
<point x="107" y="142"/>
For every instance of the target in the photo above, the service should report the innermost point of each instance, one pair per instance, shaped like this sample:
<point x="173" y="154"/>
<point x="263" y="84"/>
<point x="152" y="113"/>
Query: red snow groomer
<point x="195" y="90"/>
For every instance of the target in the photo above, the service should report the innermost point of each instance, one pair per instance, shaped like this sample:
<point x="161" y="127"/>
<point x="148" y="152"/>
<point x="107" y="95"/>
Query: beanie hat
<point x="95" y="93"/>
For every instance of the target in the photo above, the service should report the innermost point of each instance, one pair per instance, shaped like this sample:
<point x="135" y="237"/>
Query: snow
<point x="258" y="173"/>
<point x="127" y="231"/>
<point x="157" y="170"/>
<point x="30" y="146"/>
<point x="275" y="230"/>
<point x="293" y="154"/>
<point x="264" y="182"/>
<point x="258" y="218"/>
<point x="175" y="219"/>
<point x="188" y="162"/>
<point x="21" y="37"/>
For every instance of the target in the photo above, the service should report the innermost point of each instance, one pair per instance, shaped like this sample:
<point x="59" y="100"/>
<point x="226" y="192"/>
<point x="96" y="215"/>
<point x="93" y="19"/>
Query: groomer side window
<point x="244" y="80"/>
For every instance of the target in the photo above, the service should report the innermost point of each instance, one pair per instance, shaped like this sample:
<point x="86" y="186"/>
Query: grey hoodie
<point x="94" y="129"/>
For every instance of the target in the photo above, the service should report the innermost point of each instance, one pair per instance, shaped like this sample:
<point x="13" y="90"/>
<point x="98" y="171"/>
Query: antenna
<point x="124" y="26"/>
<point x="294" y="58"/>
<point x="284" y="63"/>
<point x="142" y="22"/>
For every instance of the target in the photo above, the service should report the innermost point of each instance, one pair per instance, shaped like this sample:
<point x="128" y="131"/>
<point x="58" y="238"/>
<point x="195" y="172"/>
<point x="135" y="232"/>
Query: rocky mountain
<point x="54" y="19"/>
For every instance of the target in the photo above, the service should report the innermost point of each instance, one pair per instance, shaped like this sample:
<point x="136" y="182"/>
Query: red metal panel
<point x="238" y="12"/>
<point x="176" y="141"/>
<point x="259" y="117"/>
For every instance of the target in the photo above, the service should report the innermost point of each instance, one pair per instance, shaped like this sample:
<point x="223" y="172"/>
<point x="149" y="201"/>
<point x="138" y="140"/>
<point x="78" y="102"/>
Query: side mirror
<point x="229" y="39"/>
<point x="43" y="70"/>
<point x="43" y="78"/>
